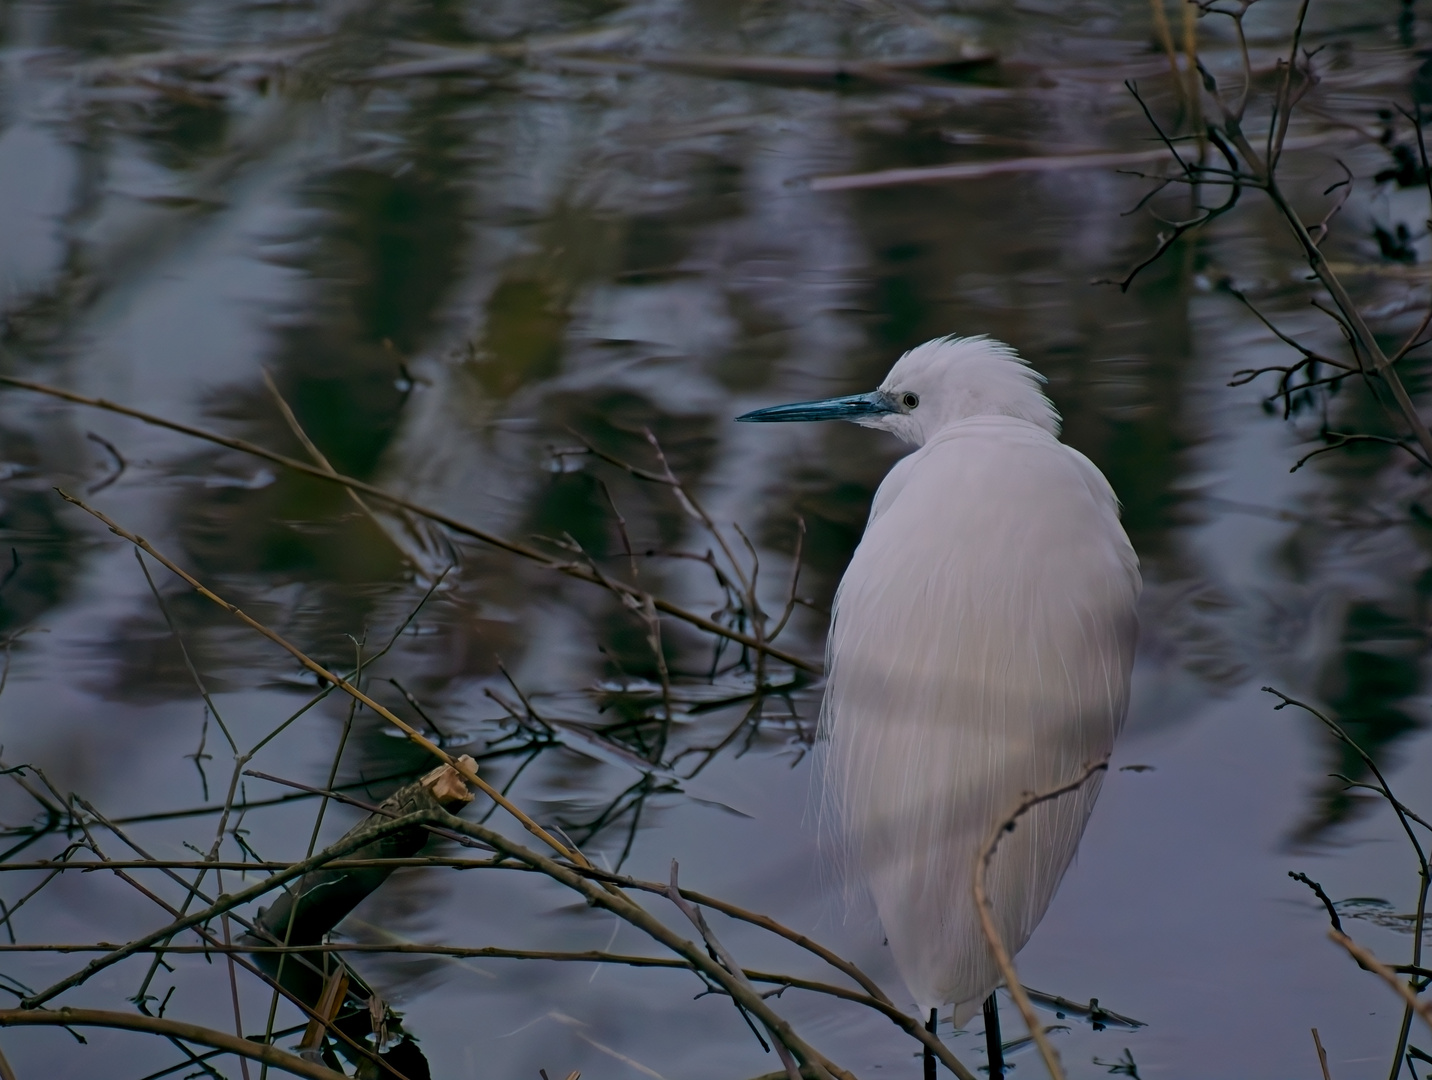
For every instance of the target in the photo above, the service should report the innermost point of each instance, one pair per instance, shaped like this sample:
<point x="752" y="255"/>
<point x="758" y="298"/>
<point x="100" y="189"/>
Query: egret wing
<point x="980" y="650"/>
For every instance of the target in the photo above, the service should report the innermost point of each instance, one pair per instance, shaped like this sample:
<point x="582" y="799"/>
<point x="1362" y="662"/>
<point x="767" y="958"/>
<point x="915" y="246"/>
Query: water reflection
<point x="42" y="555"/>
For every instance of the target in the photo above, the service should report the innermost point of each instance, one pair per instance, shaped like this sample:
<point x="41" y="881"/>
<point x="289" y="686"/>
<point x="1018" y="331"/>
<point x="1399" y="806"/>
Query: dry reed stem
<point x="173" y="1029"/>
<point x="1259" y="170"/>
<point x="1405" y="817"/>
<point x="986" y="913"/>
<point x="211" y="947"/>
<point x="335" y="989"/>
<point x="876" y="999"/>
<point x="1190" y="51"/>
<point x="464" y="765"/>
<point x="1322" y="1055"/>
<point x="228" y="902"/>
<point x="1164" y="32"/>
<point x="252" y="865"/>
<point x="233" y="956"/>
<point x="619" y="904"/>
<point x="713" y="944"/>
<point x="612" y="898"/>
<point x="1367" y="960"/>
<point x="321" y="460"/>
<point x="940" y="174"/>
<point x="874" y="996"/>
<point x="767" y="923"/>
<point x="561" y="566"/>
<point x="810" y="1058"/>
<point x="461" y="952"/>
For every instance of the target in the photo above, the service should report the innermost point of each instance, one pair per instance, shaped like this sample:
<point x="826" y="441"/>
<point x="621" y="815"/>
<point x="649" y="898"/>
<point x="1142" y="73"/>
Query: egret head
<point x="932" y="386"/>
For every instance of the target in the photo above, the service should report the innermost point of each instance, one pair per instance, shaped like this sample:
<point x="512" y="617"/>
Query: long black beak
<point x="854" y="407"/>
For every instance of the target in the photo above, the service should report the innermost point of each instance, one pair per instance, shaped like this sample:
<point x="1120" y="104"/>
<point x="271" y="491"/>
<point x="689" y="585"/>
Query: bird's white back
<point x="980" y="650"/>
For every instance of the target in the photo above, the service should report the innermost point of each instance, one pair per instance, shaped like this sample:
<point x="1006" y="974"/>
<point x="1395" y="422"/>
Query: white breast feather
<point x="980" y="649"/>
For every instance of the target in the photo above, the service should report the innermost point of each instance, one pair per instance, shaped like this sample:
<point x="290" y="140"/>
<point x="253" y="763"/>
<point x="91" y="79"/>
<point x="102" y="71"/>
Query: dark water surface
<point x="460" y="235"/>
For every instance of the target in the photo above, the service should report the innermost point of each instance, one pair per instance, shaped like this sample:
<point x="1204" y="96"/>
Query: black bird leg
<point x="931" y="1027"/>
<point x="993" y="1046"/>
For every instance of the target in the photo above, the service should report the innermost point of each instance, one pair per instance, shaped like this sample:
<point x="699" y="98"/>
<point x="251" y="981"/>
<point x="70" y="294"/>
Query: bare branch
<point x="693" y="913"/>
<point x="1283" y="105"/>
<point x="1322" y="1055"/>
<point x="465" y="766"/>
<point x="174" y="1029"/>
<point x="462" y="528"/>
<point x="1369" y="962"/>
<point x="986" y="911"/>
<point x="1343" y="440"/>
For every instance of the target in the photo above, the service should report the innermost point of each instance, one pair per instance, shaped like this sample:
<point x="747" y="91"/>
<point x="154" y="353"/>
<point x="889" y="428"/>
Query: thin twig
<point x="468" y="772"/>
<point x="1367" y="960"/>
<point x="249" y="865"/>
<point x="1367" y="759"/>
<point x="1341" y="439"/>
<point x="1327" y="900"/>
<point x="228" y="903"/>
<point x="1283" y="105"/>
<point x="1322" y="1055"/>
<point x="1164" y="33"/>
<point x="570" y="569"/>
<point x="1308" y="354"/>
<point x="986" y="912"/>
<point x="619" y="904"/>
<point x="211" y="943"/>
<point x="1227" y="135"/>
<point x="698" y="920"/>
<point x="175" y="1029"/>
<point x="321" y="460"/>
<point x="314" y="1031"/>
<point x="184" y="652"/>
<point x="1424" y="872"/>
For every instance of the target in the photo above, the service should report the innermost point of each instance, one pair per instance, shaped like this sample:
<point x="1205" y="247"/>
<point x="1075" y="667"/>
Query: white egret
<point x="979" y="651"/>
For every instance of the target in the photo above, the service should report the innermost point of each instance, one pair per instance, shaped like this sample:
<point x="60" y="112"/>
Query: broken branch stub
<point x="321" y="899"/>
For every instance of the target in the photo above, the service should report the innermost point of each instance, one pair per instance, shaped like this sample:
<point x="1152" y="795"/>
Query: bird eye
<point x="909" y="400"/>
